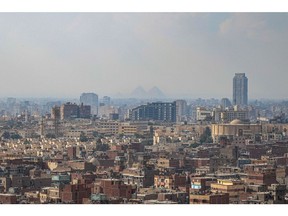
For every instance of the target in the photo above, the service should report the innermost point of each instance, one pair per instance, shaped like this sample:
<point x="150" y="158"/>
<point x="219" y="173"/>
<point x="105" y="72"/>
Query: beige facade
<point x="233" y="187"/>
<point x="127" y="129"/>
<point x="50" y="194"/>
<point x="230" y="115"/>
<point x="209" y="198"/>
<point x="163" y="181"/>
<point x="234" y="129"/>
<point x="202" y="113"/>
<point x="108" y="127"/>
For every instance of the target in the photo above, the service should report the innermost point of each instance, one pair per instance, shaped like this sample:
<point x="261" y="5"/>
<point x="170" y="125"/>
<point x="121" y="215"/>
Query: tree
<point x="50" y="136"/>
<point x="26" y="142"/>
<point x="35" y="135"/>
<point x="6" y="135"/>
<point x="206" y="136"/>
<point x="15" y="136"/>
<point x="139" y="136"/>
<point x="194" y="145"/>
<point x="102" y="147"/>
<point x="95" y="133"/>
<point x="83" y="138"/>
<point x="99" y="141"/>
<point x="121" y="135"/>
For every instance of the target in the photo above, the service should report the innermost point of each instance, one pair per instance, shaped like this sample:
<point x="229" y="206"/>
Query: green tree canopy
<point x="206" y="136"/>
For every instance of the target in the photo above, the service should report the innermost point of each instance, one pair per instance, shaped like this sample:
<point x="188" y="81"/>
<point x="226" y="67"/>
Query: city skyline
<point x="183" y="54"/>
<point x="120" y="102"/>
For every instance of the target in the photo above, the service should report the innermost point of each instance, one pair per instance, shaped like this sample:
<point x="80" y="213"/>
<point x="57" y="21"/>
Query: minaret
<point x="56" y="122"/>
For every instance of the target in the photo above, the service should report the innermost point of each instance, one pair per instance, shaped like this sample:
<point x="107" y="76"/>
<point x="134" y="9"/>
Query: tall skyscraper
<point x="240" y="89"/>
<point x="181" y="109"/>
<point x="90" y="99"/>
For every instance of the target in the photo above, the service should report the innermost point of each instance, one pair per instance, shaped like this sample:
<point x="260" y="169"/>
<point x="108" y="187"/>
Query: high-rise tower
<point x="240" y="89"/>
<point x="90" y="99"/>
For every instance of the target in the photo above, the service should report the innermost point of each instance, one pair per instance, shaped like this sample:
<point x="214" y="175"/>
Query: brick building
<point x="75" y="193"/>
<point x="8" y="199"/>
<point x="172" y="181"/>
<point x="168" y="162"/>
<point x="210" y="198"/>
<point x="266" y="176"/>
<point x="202" y="183"/>
<point x="115" y="188"/>
<point x="233" y="187"/>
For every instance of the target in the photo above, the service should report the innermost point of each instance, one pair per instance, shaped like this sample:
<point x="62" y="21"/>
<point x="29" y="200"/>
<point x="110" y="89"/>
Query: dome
<point x="236" y="122"/>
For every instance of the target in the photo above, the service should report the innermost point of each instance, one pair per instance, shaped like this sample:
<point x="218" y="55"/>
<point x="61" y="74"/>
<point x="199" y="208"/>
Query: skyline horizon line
<point x="138" y="98"/>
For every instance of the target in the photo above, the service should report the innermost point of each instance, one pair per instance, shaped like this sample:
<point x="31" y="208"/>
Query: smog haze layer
<point x="190" y="54"/>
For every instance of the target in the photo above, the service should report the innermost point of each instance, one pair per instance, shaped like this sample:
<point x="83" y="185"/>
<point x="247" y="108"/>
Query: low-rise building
<point x="232" y="187"/>
<point x="8" y="198"/>
<point x="209" y="198"/>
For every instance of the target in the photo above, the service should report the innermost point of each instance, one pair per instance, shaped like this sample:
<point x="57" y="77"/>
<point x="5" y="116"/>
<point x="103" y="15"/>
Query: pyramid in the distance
<point x="155" y="92"/>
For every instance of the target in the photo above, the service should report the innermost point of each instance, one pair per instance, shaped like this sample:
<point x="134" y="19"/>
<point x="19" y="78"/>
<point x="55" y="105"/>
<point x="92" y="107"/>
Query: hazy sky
<point x="196" y="54"/>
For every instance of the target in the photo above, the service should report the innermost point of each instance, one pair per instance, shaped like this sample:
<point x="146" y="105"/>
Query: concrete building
<point x="140" y="177"/>
<point x="169" y="181"/>
<point x="181" y="110"/>
<point x="115" y="188"/>
<point x="71" y="152"/>
<point x="84" y="111"/>
<point x="8" y="198"/>
<point x="72" y="111"/>
<point x="265" y="176"/>
<point x="157" y="111"/>
<point x="50" y="195"/>
<point x="202" y="183"/>
<point x="75" y="193"/>
<point x="108" y="127"/>
<point x="127" y="130"/>
<point x="203" y="114"/>
<point x="167" y="162"/>
<point x="232" y="187"/>
<point x="240" y="89"/>
<point x="230" y="115"/>
<point x="235" y="128"/>
<point x="209" y="198"/>
<point x="69" y="111"/>
<point x="90" y="99"/>
<point x="55" y="113"/>
<point x="223" y="116"/>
